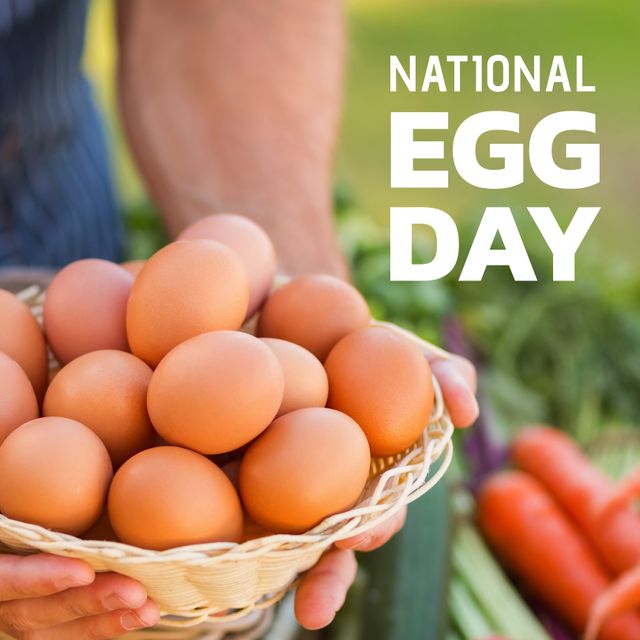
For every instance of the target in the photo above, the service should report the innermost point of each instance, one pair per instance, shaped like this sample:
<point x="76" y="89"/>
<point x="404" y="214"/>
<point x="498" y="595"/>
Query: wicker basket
<point x="221" y="582"/>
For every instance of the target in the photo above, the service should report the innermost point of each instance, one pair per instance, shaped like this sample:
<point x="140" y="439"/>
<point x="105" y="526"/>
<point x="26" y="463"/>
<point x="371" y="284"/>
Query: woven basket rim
<point x="394" y="482"/>
<point x="38" y="535"/>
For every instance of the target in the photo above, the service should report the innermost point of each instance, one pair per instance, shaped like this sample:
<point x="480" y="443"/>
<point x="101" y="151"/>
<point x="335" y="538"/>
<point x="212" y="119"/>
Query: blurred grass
<point x="99" y="62"/>
<point x="606" y="33"/>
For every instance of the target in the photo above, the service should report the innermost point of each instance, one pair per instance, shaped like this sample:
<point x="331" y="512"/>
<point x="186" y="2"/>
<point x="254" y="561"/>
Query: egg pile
<point x="194" y="404"/>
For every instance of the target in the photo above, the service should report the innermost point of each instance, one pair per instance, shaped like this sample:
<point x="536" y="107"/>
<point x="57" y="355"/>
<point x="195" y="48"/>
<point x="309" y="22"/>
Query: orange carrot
<point x="538" y="543"/>
<point x="623" y="595"/>
<point x="620" y="496"/>
<point x="555" y="460"/>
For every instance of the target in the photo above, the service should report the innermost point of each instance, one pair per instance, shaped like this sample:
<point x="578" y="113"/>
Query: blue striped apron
<point x="57" y="200"/>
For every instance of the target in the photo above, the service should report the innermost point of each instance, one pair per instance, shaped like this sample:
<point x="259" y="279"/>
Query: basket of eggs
<point x="198" y="429"/>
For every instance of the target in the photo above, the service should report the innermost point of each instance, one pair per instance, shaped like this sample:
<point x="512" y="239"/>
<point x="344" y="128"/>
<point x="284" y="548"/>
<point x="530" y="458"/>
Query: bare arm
<point x="233" y="105"/>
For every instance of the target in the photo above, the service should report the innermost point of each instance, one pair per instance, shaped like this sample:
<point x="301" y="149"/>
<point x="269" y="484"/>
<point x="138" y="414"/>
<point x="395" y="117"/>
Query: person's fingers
<point x="103" y="626"/>
<point x="466" y="369"/>
<point x="40" y="575"/>
<point x="324" y="588"/>
<point x="458" y="395"/>
<point x="376" y="537"/>
<point x="462" y="364"/>
<point x="108" y="592"/>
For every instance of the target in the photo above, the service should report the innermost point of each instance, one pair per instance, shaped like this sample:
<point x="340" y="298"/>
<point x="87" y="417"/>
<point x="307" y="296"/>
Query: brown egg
<point x="215" y="392"/>
<point x="133" y="266"/>
<point x="305" y="380"/>
<point x="249" y="241"/>
<point x="315" y="312"/>
<point x="107" y="392"/>
<point x="185" y="289"/>
<point x="170" y="497"/>
<point x="306" y="466"/>
<point x="384" y="383"/>
<point x="54" y="472"/>
<point x="84" y="308"/>
<point x="22" y="340"/>
<point x="18" y="402"/>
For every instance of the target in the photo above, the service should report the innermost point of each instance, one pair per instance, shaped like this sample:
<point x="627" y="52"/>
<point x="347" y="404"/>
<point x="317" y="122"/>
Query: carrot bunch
<point x="564" y="530"/>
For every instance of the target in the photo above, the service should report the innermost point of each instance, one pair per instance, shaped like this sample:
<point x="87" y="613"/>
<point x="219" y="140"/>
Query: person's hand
<point x="323" y="589"/>
<point x="46" y="597"/>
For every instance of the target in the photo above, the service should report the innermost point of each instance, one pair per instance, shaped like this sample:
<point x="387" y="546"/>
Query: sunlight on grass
<point x="99" y="62"/>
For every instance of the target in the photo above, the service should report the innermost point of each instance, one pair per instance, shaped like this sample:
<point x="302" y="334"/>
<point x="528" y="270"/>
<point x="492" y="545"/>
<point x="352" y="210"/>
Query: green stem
<point x="465" y="612"/>
<point x="501" y="603"/>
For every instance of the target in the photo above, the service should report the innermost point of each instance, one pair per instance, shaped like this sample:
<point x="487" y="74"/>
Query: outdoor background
<point x="562" y="353"/>
<point x="567" y="352"/>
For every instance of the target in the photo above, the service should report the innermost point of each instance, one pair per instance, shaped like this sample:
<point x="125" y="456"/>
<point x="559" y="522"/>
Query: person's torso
<point x="56" y="196"/>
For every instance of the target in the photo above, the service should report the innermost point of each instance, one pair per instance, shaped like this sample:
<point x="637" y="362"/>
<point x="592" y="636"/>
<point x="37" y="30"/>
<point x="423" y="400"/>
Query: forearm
<point x="233" y="105"/>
